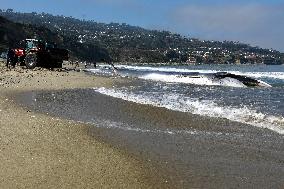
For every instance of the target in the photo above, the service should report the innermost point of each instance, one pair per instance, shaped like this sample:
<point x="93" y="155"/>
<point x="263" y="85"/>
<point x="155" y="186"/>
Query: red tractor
<point x="40" y="53"/>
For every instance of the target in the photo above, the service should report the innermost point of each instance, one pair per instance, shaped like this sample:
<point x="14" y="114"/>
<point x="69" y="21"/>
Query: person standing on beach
<point x="11" y="58"/>
<point x="76" y="64"/>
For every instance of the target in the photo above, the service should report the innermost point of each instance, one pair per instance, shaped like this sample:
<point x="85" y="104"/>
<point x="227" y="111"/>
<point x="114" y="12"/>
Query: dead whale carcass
<point x="223" y="79"/>
<point x="247" y="81"/>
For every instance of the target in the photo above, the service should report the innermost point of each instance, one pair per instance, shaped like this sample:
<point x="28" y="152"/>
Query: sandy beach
<point x="41" y="151"/>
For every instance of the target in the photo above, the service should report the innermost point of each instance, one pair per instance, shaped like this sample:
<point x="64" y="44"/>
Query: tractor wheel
<point x="22" y="61"/>
<point x="56" y="64"/>
<point x="31" y="60"/>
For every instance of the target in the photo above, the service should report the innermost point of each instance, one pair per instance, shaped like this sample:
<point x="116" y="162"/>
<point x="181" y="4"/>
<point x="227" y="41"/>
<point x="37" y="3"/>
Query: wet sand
<point x="43" y="151"/>
<point x="191" y="151"/>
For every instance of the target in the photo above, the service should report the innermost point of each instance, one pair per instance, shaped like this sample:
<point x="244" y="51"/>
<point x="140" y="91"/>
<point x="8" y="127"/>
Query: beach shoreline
<point x="50" y="116"/>
<point x="41" y="151"/>
<point x="190" y="150"/>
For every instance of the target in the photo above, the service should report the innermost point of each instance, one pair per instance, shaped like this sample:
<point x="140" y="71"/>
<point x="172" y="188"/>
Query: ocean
<point x="191" y="89"/>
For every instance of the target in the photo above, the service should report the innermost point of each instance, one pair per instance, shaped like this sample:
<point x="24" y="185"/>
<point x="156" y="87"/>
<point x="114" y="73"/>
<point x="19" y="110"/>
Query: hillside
<point x="90" y="40"/>
<point x="12" y="33"/>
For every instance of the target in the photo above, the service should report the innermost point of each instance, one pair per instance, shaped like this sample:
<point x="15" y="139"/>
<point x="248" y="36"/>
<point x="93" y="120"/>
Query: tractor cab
<point x="31" y="44"/>
<point x="34" y="45"/>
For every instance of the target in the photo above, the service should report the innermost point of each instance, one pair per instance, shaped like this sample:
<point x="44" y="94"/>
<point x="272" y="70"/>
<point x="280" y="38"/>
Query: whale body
<point x="225" y="77"/>
<point x="247" y="81"/>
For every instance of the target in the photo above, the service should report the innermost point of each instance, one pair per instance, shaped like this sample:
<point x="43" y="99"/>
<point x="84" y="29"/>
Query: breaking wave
<point x="200" y="80"/>
<point x="273" y="75"/>
<point x="190" y="76"/>
<point x="201" y="107"/>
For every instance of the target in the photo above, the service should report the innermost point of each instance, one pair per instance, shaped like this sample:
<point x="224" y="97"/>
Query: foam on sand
<point x="201" y="107"/>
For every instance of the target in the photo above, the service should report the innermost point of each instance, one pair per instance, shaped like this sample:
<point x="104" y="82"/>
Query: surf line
<point x="125" y="127"/>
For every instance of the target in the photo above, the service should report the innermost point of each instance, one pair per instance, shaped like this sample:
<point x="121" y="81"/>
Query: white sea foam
<point x="273" y="75"/>
<point x="200" y="80"/>
<point x="162" y="69"/>
<point x="201" y="107"/>
<point x="203" y="80"/>
<point x="105" y="71"/>
<point x="125" y="127"/>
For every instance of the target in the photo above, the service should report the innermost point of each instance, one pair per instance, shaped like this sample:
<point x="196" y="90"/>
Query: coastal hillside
<point x="89" y="40"/>
<point x="12" y="33"/>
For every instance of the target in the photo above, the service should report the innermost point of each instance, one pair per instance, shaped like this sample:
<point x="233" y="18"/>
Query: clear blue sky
<point x="257" y="22"/>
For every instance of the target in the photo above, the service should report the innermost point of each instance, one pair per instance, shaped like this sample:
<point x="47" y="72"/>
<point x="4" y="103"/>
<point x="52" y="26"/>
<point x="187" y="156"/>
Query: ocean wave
<point x="105" y="69"/>
<point x="200" y="80"/>
<point x="201" y="107"/>
<point x="273" y="75"/>
<point x="125" y="127"/>
<point x="162" y="69"/>
<point x="191" y="78"/>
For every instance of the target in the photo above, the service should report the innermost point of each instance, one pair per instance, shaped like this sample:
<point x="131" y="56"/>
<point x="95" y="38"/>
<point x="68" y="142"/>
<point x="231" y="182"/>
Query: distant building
<point x="238" y="61"/>
<point x="191" y="60"/>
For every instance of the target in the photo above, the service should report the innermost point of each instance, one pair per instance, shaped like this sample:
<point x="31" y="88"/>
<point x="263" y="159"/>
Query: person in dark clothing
<point x="112" y="65"/>
<point x="11" y="58"/>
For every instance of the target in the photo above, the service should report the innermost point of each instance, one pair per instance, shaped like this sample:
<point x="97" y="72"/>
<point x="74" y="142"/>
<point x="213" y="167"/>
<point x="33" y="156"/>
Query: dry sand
<point x="40" y="151"/>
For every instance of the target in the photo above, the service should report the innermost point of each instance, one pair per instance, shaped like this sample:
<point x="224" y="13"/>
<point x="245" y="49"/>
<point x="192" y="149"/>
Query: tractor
<point x="37" y="53"/>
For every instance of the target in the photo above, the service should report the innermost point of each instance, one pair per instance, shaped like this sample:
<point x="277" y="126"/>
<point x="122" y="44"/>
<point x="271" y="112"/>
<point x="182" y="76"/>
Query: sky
<point x="256" y="22"/>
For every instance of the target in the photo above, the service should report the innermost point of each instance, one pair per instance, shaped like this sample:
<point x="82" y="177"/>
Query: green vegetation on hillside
<point x="89" y="40"/>
<point x="11" y="35"/>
